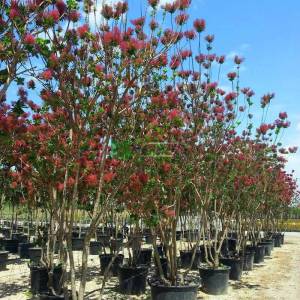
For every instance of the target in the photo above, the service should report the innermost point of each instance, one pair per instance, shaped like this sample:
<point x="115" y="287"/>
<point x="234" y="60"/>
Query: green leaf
<point x="121" y="150"/>
<point x="20" y="80"/>
<point x="3" y="75"/>
<point x="18" y="108"/>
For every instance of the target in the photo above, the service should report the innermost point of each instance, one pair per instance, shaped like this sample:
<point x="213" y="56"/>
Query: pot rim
<point x="160" y="285"/>
<point x="219" y="268"/>
<point x="140" y="267"/>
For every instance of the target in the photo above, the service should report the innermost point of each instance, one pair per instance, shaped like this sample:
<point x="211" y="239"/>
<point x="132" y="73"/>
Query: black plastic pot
<point x="48" y="296"/>
<point x="190" y="235"/>
<point x="6" y="232"/>
<point x="20" y="237"/>
<point x="160" y="250"/>
<point x="57" y="279"/>
<point x="271" y="241"/>
<point x="32" y="231"/>
<point x="116" y="245"/>
<point x="1" y="244"/>
<point x="148" y="239"/>
<point x="225" y="248"/>
<point x="248" y="260"/>
<point x="233" y="235"/>
<point x="38" y="279"/>
<point x="75" y="234"/>
<point x="56" y="248"/>
<point x="23" y="249"/>
<point x="178" y="235"/>
<point x="232" y="244"/>
<point x="20" y="229"/>
<point x="277" y="239"/>
<point x="214" y="281"/>
<point x="111" y="231"/>
<point x="186" y="259"/>
<point x="103" y="239"/>
<point x="143" y="256"/>
<point x="16" y="236"/>
<point x="105" y="259"/>
<point x="95" y="247"/>
<point x="77" y="244"/>
<point x="259" y="253"/>
<point x="161" y="292"/>
<point x="120" y="235"/>
<point x="282" y="238"/>
<point x="39" y="276"/>
<point x="11" y="245"/>
<point x="82" y="235"/>
<point x="132" y="280"/>
<point x="3" y="260"/>
<point x="236" y="265"/>
<point x="135" y="241"/>
<point x="146" y="231"/>
<point x="35" y="254"/>
<point x="164" y="266"/>
<point x="268" y="247"/>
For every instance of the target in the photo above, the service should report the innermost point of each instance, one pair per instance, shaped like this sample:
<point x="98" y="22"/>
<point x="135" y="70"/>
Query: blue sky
<point x="267" y="34"/>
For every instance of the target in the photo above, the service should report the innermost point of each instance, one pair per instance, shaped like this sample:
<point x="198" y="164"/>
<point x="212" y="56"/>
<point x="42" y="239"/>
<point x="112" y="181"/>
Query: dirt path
<point x="277" y="278"/>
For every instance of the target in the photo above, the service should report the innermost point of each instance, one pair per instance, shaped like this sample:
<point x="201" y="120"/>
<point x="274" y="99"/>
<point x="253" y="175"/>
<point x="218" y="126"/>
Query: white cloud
<point x="194" y="2"/>
<point x="225" y="88"/>
<point x="95" y="16"/>
<point x="293" y="140"/>
<point x="245" y="46"/>
<point x="110" y="2"/>
<point x="162" y="2"/>
<point x="243" y="68"/>
<point x="239" y="51"/>
<point x="232" y="54"/>
<point x="294" y="164"/>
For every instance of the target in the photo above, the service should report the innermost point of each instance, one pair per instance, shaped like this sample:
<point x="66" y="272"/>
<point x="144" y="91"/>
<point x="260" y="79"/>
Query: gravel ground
<point x="277" y="278"/>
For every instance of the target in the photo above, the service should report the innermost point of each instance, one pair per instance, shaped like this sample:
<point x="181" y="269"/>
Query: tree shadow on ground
<point x="93" y="273"/>
<point x="111" y="290"/>
<point x="14" y="259"/>
<point x="239" y="284"/>
<point x="10" y="289"/>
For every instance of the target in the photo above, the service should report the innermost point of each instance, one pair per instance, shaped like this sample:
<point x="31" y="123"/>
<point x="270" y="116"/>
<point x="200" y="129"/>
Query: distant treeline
<point x="294" y="213"/>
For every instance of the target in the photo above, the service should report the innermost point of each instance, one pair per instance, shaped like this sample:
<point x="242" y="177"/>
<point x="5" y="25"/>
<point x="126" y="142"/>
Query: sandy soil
<point x="277" y="278"/>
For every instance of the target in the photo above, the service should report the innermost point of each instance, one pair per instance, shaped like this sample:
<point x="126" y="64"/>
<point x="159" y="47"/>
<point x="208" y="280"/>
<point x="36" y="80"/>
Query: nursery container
<point x="105" y="259"/>
<point x="236" y="265"/>
<point x="132" y="280"/>
<point x="248" y="260"/>
<point x="162" y="292"/>
<point x="77" y="244"/>
<point x="186" y="259"/>
<point x="35" y="254"/>
<point x="3" y="260"/>
<point x="23" y="249"/>
<point x="214" y="280"/>
<point x="143" y="256"/>
<point x="95" y="247"/>
<point x="11" y="245"/>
